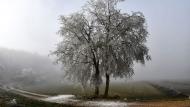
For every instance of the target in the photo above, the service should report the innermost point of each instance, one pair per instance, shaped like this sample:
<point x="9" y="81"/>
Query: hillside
<point x="20" y="68"/>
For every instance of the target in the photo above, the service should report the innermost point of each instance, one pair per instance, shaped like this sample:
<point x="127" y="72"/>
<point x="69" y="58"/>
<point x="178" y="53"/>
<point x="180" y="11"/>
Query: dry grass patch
<point x="185" y="103"/>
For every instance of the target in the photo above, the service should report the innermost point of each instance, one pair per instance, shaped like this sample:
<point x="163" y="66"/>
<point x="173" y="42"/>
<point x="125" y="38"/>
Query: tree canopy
<point x="101" y="41"/>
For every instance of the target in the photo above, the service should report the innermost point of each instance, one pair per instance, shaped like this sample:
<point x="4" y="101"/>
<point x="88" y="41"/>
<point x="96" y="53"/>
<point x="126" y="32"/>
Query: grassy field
<point x="129" y="90"/>
<point x="143" y="93"/>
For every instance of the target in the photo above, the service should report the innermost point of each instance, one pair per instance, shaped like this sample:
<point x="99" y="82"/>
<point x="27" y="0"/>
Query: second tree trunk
<point x="107" y="85"/>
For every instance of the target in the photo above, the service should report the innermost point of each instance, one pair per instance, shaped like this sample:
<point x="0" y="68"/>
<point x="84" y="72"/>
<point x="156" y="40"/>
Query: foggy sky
<point x="31" y="25"/>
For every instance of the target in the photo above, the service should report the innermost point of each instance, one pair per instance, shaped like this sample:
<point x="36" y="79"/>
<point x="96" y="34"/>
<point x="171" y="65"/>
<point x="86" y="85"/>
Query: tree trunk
<point x="96" y="91"/>
<point x="97" y="81"/>
<point x="107" y="85"/>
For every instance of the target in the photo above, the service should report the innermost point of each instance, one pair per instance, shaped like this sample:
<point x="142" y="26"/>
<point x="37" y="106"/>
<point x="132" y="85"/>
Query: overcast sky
<point x="31" y="25"/>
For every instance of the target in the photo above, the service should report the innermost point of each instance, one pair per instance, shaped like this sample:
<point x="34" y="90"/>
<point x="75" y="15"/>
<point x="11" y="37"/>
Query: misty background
<point x="28" y="34"/>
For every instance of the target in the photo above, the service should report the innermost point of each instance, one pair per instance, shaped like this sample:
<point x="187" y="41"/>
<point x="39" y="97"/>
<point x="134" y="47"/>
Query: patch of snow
<point x="62" y="99"/>
<point x="70" y="99"/>
<point x="105" y="103"/>
<point x="13" y="102"/>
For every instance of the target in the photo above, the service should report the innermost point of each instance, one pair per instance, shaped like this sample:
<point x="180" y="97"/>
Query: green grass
<point x="135" y="90"/>
<point x="129" y="90"/>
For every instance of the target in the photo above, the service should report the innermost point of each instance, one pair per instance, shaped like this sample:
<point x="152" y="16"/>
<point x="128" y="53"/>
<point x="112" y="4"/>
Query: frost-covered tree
<point x="123" y="39"/>
<point x="78" y="51"/>
<point x="101" y="41"/>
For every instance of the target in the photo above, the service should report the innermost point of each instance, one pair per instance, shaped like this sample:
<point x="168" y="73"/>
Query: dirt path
<point x="29" y="94"/>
